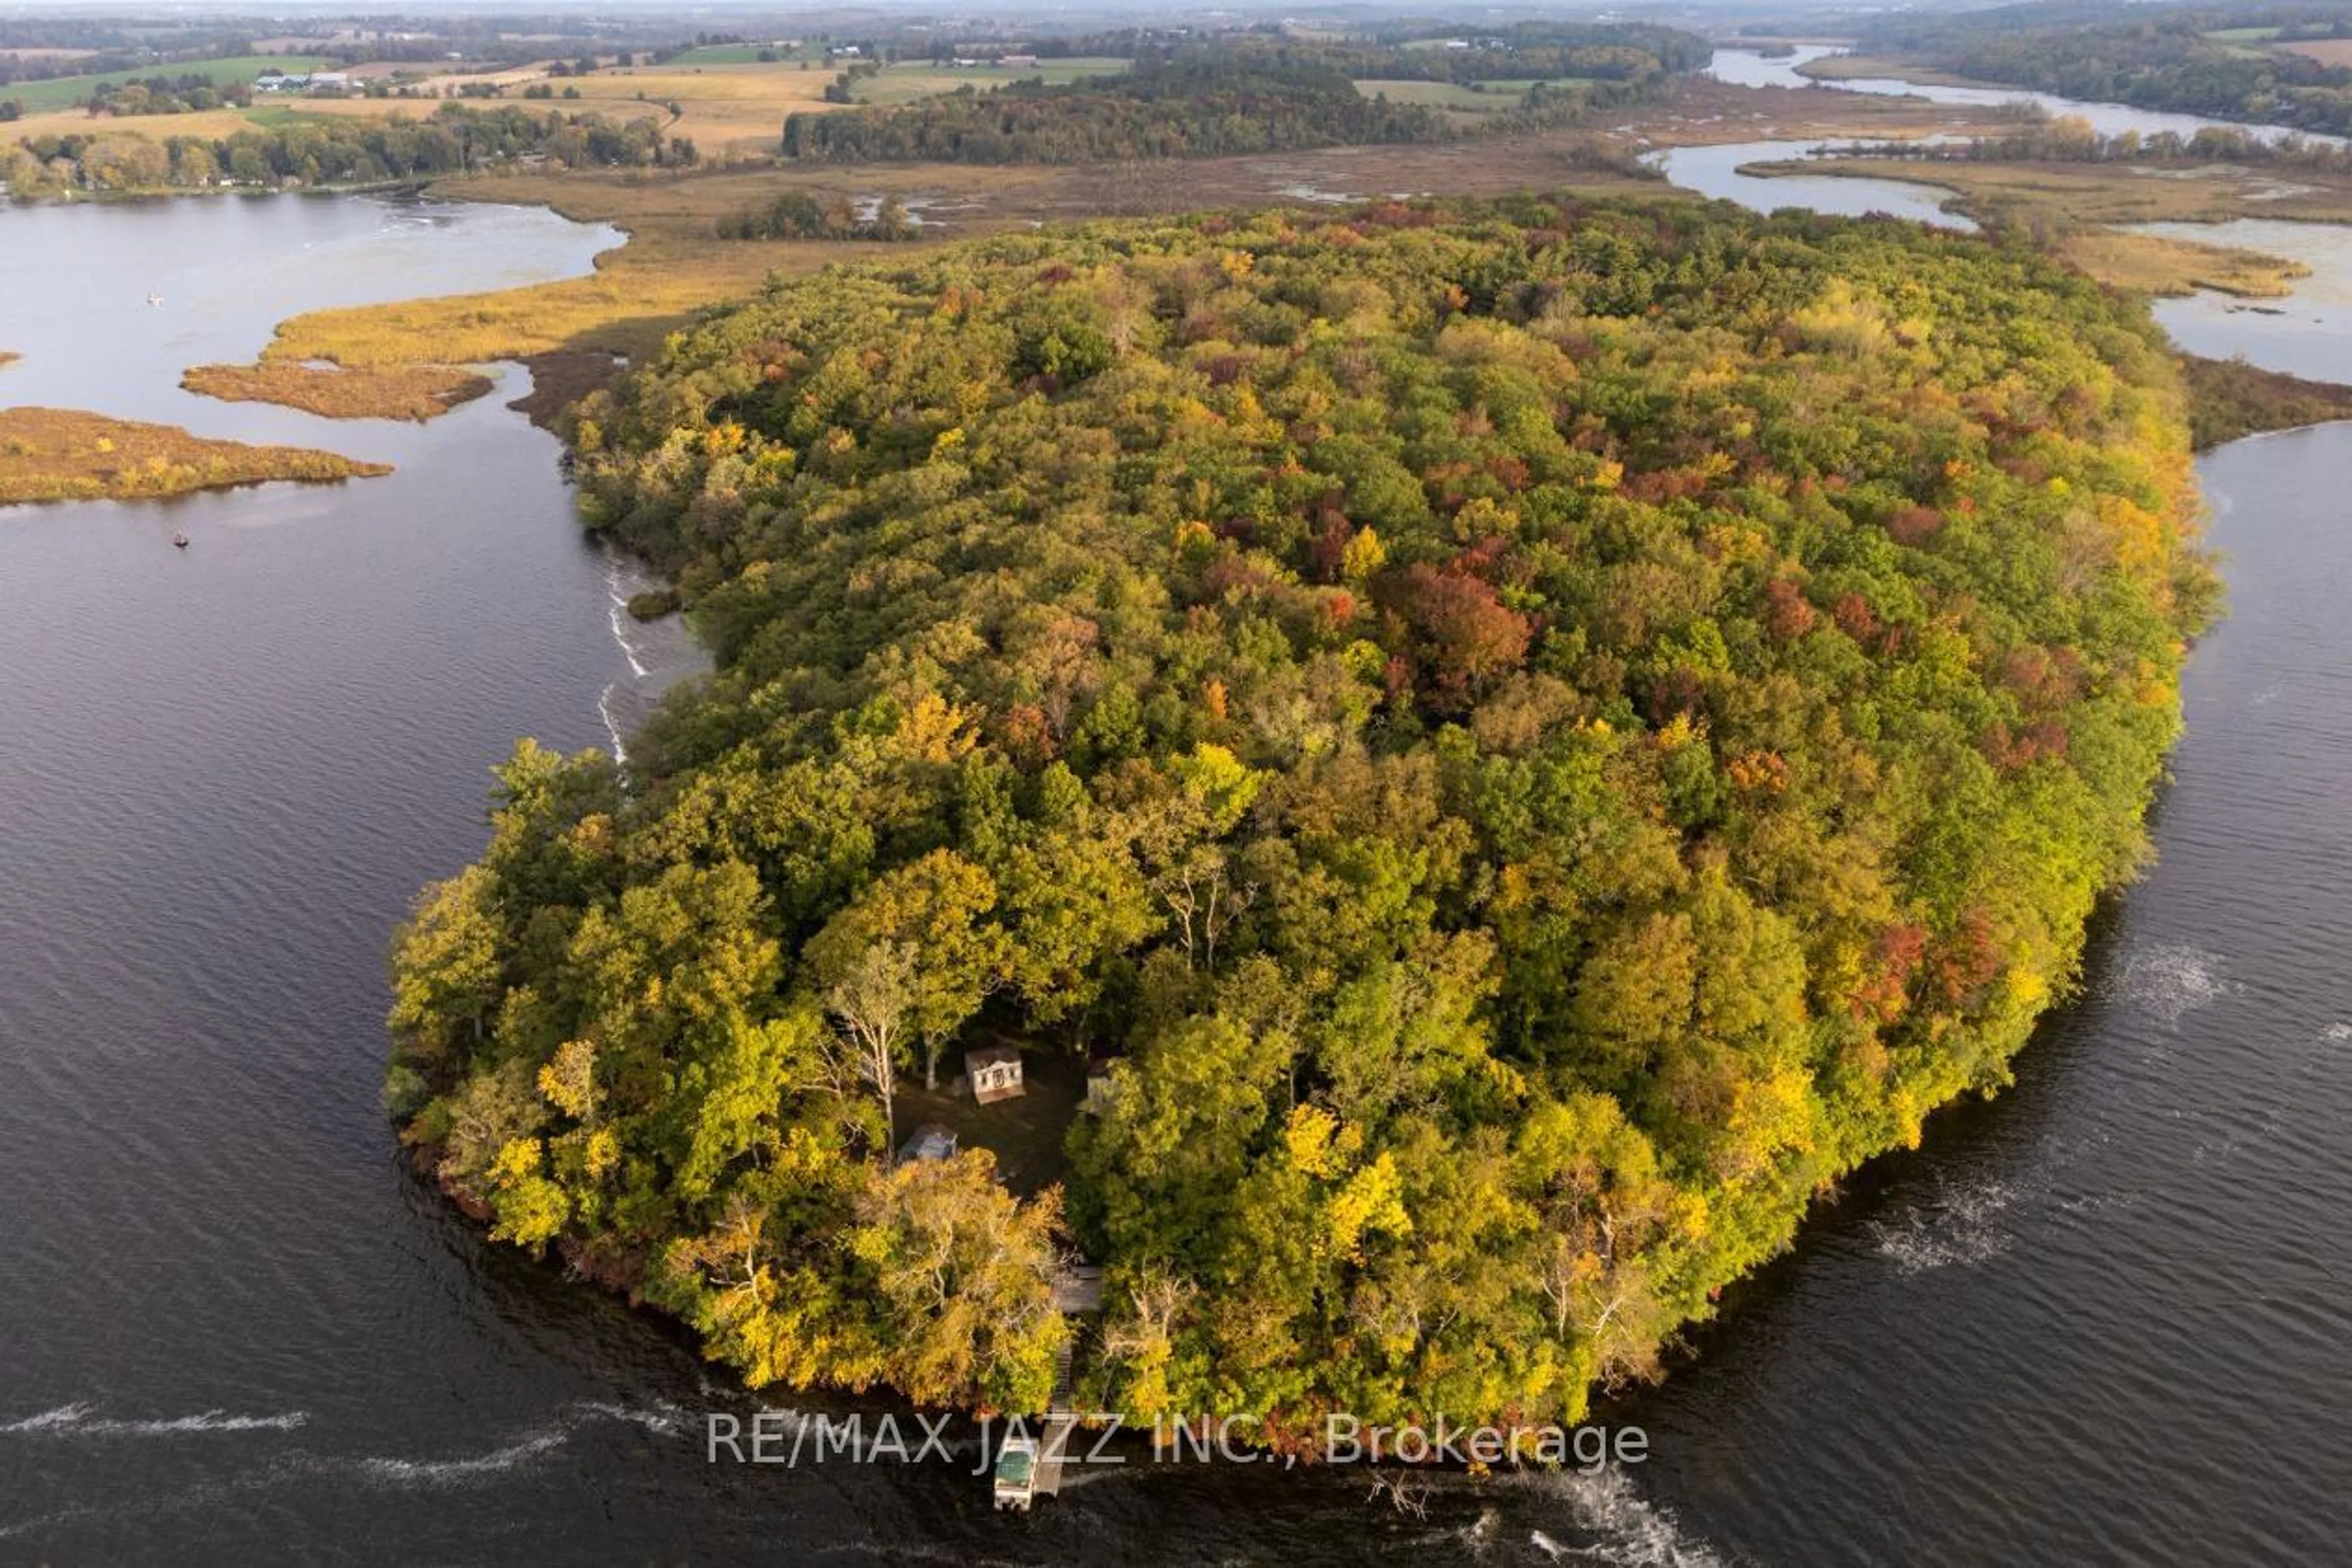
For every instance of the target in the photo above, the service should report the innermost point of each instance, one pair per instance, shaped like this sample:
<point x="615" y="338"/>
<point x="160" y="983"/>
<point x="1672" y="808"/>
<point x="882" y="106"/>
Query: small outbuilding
<point x="994" y="1074"/>
<point x="930" y="1141"/>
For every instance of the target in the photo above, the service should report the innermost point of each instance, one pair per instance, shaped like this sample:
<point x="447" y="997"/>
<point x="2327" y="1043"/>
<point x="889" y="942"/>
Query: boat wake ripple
<point x="1626" y="1530"/>
<point x="1963" y="1226"/>
<point x="2172" y="980"/>
<point x="80" y="1420"/>
<point x="284" y="1469"/>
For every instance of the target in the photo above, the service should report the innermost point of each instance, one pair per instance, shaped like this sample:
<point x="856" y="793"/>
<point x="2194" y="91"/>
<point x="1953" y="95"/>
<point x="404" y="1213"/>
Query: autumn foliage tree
<point x="1526" y="738"/>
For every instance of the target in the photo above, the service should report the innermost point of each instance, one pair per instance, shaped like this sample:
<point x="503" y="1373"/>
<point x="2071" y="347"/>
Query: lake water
<point x="1749" y="69"/>
<point x="1714" y="170"/>
<point x="1717" y="172"/>
<point x="2098" y="1318"/>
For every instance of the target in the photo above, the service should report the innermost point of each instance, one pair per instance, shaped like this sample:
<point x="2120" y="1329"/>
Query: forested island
<point x="1523" y="741"/>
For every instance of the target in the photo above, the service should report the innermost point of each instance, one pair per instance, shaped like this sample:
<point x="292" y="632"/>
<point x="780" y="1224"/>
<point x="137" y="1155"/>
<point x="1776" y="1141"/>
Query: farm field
<point x="65" y="91"/>
<point x="213" y="122"/>
<point x="908" y="80"/>
<point x="2327" y="51"/>
<point x="742" y="55"/>
<point x="1458" y="96"/>
<point x="721" y="106"/>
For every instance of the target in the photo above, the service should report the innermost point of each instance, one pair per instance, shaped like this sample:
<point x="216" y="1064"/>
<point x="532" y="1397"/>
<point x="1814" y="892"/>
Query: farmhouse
<point x="995" y="1072"/>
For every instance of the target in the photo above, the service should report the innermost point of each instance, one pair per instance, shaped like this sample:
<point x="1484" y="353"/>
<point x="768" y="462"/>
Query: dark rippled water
<point x="2100" y="1319"/>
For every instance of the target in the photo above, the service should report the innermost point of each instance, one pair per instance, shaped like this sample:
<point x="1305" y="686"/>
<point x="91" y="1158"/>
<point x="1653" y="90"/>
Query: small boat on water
<point x="178" y="542"/>
<point x="1015" y="1485"/>
<point x="156" y="300"/>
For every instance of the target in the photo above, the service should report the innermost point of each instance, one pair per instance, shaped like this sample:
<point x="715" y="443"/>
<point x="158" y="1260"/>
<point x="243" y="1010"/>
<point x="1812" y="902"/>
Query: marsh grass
<point x="2174" y="267"/>
<point x="673" y="265"/>
<point x="54" y="454"/>
<point x="417" y="392"/>
<point x="2076" y="210"/>
<point x="2045" y="197"/>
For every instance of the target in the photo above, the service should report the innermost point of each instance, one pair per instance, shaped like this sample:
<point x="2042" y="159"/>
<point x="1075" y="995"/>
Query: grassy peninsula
<point x="54" y="454"/>
<point x="1521" y="740"/>
<point x="417" y="392"/>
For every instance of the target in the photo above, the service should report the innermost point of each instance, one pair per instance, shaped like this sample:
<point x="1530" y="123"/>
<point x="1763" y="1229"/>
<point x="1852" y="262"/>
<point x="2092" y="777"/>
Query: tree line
<point x="1195" y="108"/>
<point x="799" y="214"/>
<point x="1241" y="97"/>
<point x="1522" y="739"/>
<point x="189" y="92"/>
<point x="456" y="139"/>
<point x="2071" y="139"/>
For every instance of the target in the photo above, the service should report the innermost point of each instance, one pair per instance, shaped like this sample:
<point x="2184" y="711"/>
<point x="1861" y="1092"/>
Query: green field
<point x="65" y="91"/>
<point x="911" y="79"/>
<point x="2244" y="43"/>
<point x="271" y="115"/>
<point x="742" y="55"/>
<point x="1497" y="96"/>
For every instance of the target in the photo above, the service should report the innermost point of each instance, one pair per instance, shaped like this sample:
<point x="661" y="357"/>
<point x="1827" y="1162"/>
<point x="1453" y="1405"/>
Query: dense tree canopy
<point x="1531" y="737"/>
<point x="1244" y="96"/>
<point x="1208" y="106"/>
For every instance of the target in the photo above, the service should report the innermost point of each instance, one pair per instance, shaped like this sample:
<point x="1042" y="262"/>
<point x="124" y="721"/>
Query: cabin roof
<point x="928" y="1142"/>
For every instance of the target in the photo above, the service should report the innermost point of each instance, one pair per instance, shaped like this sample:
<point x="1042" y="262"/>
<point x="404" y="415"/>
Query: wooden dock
<point x="1061" y="1427"/>
<point x="1077" y="1290"/>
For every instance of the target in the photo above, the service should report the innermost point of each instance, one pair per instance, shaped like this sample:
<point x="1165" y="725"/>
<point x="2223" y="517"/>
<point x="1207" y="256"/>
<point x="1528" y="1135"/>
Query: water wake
<point x="611" y="725"/>
<point x="1961" y="1228"/>
<point x="663" y="1418"/>
<point x="616" y="613"/>
<point x="2172" y="981"/>
<point x="47" y="1420"/>
<point x="443" y="1472"/>
<point x="1627" y="1529"/>
<point x="283" y="1467"/>
<point x="79" y="1421"/>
